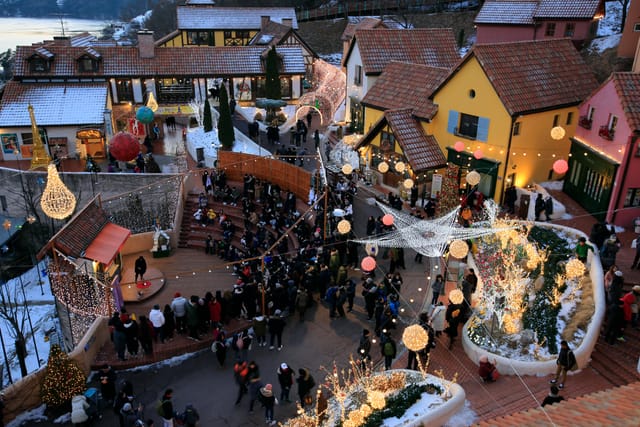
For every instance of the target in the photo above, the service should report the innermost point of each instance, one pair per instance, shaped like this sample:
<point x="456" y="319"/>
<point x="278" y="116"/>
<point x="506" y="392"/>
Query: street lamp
<point x="34" y="261"/>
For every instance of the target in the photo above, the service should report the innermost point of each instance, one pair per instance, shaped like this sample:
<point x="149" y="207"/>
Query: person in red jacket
<point x="487" y="370"/>
<point x="630" y="306"/>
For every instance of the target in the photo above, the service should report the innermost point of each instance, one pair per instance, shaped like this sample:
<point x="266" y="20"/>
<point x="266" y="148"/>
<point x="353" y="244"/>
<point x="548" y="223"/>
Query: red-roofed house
<point x="366" y="23"/>
<point x="631" y="33"/>
<point x="371" y="50"/>
<point x="606" y="149"/>
<point x="501" y="101"/>
<point x="516" y="20"/>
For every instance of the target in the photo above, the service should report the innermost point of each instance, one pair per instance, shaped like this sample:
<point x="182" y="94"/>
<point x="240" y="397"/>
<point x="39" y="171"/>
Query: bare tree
<point x="625" y="6"/>
<point x="13" y="310"/>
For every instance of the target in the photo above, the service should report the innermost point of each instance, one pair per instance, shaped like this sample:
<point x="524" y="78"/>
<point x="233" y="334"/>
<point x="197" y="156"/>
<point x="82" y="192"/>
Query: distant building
<point x="631" y="32"/>
<point x="520" y="20"/>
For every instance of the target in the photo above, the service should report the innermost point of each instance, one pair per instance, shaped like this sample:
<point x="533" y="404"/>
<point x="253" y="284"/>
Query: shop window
<point x="124" y="90"/>
<point x="285" y="87"/>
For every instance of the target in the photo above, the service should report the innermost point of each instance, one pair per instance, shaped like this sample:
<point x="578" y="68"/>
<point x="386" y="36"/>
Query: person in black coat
<point x="276" y="325"/>
<point x="140" y="268"/>
<point x="539" y="206"/>
<point x="615" y="321"/>
<point x="453" y="317"/>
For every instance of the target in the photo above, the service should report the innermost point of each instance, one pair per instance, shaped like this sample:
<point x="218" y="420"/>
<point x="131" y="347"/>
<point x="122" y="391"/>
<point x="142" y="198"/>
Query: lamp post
<point x="34" y="261"/>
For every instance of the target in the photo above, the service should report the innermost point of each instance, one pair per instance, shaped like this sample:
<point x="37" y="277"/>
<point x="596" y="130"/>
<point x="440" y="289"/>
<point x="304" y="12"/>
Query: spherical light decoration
<point x="368" y="264"/>
<point x="347" y="169"/>
<point x="456" y="296"/>
<point x="415" y="338"/>
<point x="124" y="146"/>
<point x="478" y="154"/>
<point x="376" y="399"/>
<point x="387" y="219"/>
<point x="408" y="183"/>
<point x="574" y="268"/>
<point x="383" y="167"/>
<point x="473" y="178"/>
<point x="400" y="167"/>
<point x="560" y="166"/>
<point x="458" y="146"/>
<point x="459" y="249"/>
<point x="557" y="133"/>
<point x="344" y="226"/>
<point x="371" y="249"/>
<point x="144" y="115"/>
<point x="57" y="201"/>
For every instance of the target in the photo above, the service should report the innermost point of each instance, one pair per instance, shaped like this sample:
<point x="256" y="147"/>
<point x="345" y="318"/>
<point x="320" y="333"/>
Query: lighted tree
<point x="272" y="87"/>
<point x="226" y="133"/>
<point x="207" y="121"/>
<point x="63" y="379"/>
<point x="449" y="198"/>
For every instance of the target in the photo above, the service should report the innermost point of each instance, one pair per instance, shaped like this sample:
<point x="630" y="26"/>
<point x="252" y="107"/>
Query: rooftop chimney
<point x="264" y="21"/>
<point x="62" y="40"/>
<point x="146" y="45"/>
<point x="287" y="22"/>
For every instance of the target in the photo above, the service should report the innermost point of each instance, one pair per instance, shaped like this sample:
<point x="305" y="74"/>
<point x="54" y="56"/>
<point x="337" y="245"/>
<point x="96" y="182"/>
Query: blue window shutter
<point x="452" y="124"/>
<point x="483" y="129"/>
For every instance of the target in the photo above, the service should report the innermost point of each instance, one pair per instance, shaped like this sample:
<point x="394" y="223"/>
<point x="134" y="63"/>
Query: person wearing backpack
<point x="566" y="362"/>
<point x="388" y="347"/>
<point x="190" y="416"/>
<point x="165" y="408"/>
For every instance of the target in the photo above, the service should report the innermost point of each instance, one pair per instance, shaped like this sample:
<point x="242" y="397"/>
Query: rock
<point x="527" y="337"/>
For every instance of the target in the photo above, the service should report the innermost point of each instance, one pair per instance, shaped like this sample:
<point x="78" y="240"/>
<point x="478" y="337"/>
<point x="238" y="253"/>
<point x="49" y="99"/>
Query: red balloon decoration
<point x="124" y="146"/>
<point x="560" y="166"/>
<point x="458" y="146"/>
<point x="478" y="154"/>
<point x="368" y="264"/>
<point x="387" y="220"/>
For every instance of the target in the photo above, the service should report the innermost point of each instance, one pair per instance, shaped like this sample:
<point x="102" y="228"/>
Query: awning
<point x="107" y="243"/>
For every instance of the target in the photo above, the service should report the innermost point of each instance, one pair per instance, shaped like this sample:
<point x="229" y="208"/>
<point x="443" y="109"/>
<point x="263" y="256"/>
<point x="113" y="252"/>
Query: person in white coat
<point x="156" y="317"/>
<point x="438" y="318"/>
<point x="79" y="406"/>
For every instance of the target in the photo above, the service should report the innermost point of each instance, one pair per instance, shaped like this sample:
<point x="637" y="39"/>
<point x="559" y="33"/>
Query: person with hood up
<point x="260" y="330"/>
<point x="285" y="378"/>
<point x="268" y="401"/>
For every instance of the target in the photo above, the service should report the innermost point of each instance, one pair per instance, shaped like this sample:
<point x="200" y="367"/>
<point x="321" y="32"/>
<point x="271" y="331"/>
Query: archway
<point x="304" y="107"/>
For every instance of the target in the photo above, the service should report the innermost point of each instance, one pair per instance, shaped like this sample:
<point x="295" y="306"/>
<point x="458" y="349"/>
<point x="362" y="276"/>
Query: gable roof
<point x="406" y="85"/>
<point x="428" y="46"/>
<point x="421" y="150"/>
<point x="195" y="61"/>
<point x="627" y="87"/>
<point x="206" y="17"/>
<point x="54" y="104"/>
<point x="533" y="76"/>
<point x="76" y="236"/>
<point x="525" y="12"/>
<point x="366" y="23"/>
<point x="613" y="407"/>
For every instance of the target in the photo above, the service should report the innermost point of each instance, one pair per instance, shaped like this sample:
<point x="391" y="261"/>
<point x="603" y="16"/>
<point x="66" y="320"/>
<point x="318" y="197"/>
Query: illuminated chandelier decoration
<point x="430" y="237"/>
<point x="57" y="201"/>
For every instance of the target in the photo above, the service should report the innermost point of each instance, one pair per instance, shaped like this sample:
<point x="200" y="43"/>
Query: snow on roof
<point x="232" y="18"/>
<point x="54" y="104"/>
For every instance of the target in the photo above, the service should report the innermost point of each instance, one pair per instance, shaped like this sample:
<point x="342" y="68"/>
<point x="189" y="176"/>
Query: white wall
<point x="352" y="89"/>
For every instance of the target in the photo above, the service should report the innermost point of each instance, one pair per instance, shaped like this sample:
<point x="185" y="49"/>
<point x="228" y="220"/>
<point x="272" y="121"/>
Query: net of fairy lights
<point x="356" y="395"/>
<point x="432" y="237"/>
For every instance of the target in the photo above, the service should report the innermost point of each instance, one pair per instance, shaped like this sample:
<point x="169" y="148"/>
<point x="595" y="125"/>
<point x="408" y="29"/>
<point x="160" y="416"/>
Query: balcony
<point x="585" y="122"/>
<point x="606" y="132"/>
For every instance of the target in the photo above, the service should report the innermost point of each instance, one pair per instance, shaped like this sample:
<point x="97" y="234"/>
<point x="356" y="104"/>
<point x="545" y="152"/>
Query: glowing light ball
<point x="459" y="249"/>
<point x="473" y="178"/>
<point x="383" y="167"/>
<point x="387" y="220"/>
<point x="400" y="167"/>
<point x="415" y="338"/>
<point x="408" y="183"/>
<point x="377" y="399"/>
<point x="144" y="115"/>
<point x="124" y="146"/>
<point x="560" y="166"/>
<point x="574" y="268"/>
<point x="371" y="249"/>
<point x="347" y="169"/>
<point x="458" y="146"/>
<point x="557" y="133"/>
<point x="478" y="154"/>
<point x="344" y="226"/>
<point x="456" y="296"/>
<point x="368" y="264"/>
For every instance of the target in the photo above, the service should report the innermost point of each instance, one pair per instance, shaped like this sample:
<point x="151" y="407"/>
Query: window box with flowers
<point x="585" y="122"/>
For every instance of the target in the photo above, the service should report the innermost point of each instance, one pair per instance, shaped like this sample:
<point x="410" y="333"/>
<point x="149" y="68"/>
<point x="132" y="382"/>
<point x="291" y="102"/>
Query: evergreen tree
<point x="449" y="198"/>
<point x="226" y="134"/>
<point x="272" y="87"/>
<point x="63" y="379"/>
<point x="207" y="123"/>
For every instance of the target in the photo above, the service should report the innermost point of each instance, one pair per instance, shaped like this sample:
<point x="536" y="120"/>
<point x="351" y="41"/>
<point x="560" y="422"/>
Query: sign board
<point x="436" y="185"/>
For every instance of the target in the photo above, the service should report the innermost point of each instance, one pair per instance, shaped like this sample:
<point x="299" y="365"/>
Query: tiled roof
<point x="428" y="46"/>
<point x="195" y="61"/>
<point x="77" y="234"/>
<point x="366" y="23"/>
<point x="406" y="85"/>
<point x="567" y="9"/>
<point x="517" y="12"/>
<point x="167" y="37"/>
<point x="44" y="53"/>
<point x="627" y="86"/>
<point x="54" y="104"/>
<point x="614" y="407"/>
<point x="525" y="12"/>
<point x="535" y="75"/>
<point x="421" y="150"/>
<point x="231" y="18"/>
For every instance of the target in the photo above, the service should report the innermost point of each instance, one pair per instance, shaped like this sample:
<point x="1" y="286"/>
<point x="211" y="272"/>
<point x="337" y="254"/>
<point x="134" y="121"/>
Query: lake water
<point x="24" y="31"/>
